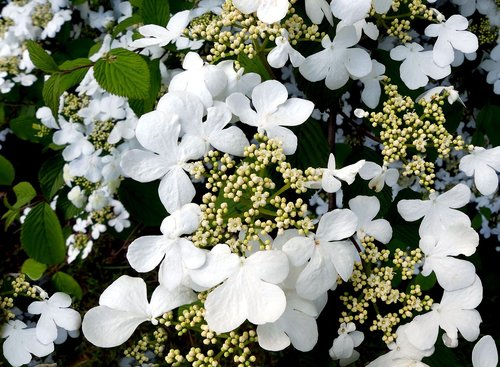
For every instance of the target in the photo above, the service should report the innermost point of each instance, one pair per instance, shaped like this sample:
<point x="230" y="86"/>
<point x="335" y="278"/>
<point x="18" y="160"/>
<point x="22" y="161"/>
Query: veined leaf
<point x="66" y="283"/>
<point x="51" y="176"/>
<point x="42" y="237"/>
<point x="155" y="12"/>
<point x="7" y="172"/>
<point x="58" y="83"/>
<point x="33" y="269"/>
<point x="41" y="58"/>
<point x="124" y="73"/>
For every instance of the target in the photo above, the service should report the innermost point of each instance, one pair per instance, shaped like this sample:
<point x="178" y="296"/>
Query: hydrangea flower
<point x="273" y="110"/>
<point x="124" y="305"/>
<point x="483" y="164"/>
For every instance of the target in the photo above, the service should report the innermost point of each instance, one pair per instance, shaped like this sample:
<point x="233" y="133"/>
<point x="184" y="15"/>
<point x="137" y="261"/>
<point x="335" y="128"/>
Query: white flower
<point x="451" y="35"/>
<point x="451" y="273"/>
<point x="203" y="80"/>
<point x="331" y="176"/>
<point x="283" y="51"/>
<point x="378" y="175"/>
<point x="452" y="94"/>
<point x="329" y="255"/>
<point x="483" y="164"/>
<point x="54" y="312"/>
<point x="418" y="65"/>
<point x="485" y="353"/>
<point x="268" y="11"/>
<point x="492" y="66"/>
<point x="371" y="91"/>
<point x="165" y="158"/>
<point x="366" y="208"/>
<point x="124" y="305"/>
<point x="456" y="312"/>
<point x="402" y="353"/>
<point x="237" y="80"/>
<point x="155" y="35"/>
<point x="174" y="252"/>
<point x="77" y="197"/>
<point x="21" y="343"/>
<point x="213" y="130"/>
<point x="248" y="291"/>
<point x="343" y="346"/>
<point x="317" y="9"/>
<point x="439" y="211"/>
<point x="297" y="325"/>
<point x="338" y="61"/>
<point x="273" y="110"/>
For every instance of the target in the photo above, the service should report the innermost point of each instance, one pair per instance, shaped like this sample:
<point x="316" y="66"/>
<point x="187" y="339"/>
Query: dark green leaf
<point x="41" y="58"/>
<point x="426" y="283"/>
<point x="312" y="148"/>
<point x="51" y="176"/>
<point x="64" y="282"/>
<point x="155" y="12"/>
<point x="141" y="201"/>
<point x="7" y="172"/>
<point x="487" y="122"/>
<point x="42" y="237"/>
<point x="123" y="73"/>
<point x="25" y="128"/>
<point x="80" y="63"/>
<point x="33" y="269"/>
<point x="256" y="65"/>
<point x="24" y="194"/>
<point x="142" y="106"/>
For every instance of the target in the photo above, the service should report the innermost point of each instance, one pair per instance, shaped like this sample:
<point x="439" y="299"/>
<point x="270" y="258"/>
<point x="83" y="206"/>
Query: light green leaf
<point x="24" y="127"/>
<point x="24" y="194"/>
<point x="41" y="58"/>
<point x="123" y="73"/>
<point x="66" y="283"/>
<point x="42" y="237"/>
<point x="7" y="172"/>
<point x="33" y="269"/>
<point x="155" y="12"/>
<point x="51" y="176"/>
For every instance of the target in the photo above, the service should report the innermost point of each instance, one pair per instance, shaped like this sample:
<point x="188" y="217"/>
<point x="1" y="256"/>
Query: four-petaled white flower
<point x="297" y="325"/>
<point x="378" y="175"/>
<point x="451" y="273"/>
<point x="283" y="51"/>
<point x="268" y="11"/>
<point x="366" y="208"/>
<point x="485" y="353"/>
<point x="343" y="346"/>
<point x="439" y="211"/>
<point x="123" y="306"/>
<point x="21" y="343"/>
<point x="451" y="35"/>
<point x="176" y="254"/>
<point x="331" y="176"/>
<point x="327" y="251"/>
<point x="54" y="312"/>
<point x="483" y="164"/>
<point x="165" y="158"/>
<point x="456" y="312"/>
<point x="249" y="287"/>
<point x="338" y="61"/>
<point x="273" y="110"/>
<point x="418" y="65"/>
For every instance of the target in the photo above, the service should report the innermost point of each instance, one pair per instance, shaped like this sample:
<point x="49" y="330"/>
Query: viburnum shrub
<point x="250" y="182"/>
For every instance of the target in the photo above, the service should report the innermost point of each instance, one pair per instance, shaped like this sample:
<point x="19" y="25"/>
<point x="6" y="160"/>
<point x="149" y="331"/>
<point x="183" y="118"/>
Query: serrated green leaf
<point x="126" y="23"/>
<point x="7" y="172"/>
<point x="42" y="237"/>
<point x="51" y="176"/>
<point x="24" y="127"/>
<point x="41" y="58"/>
<point x="64" y="282"/>
<point x="155" y="12"/>
<point x="142" y="106"/>
<point x="141" y="201"/>
<point x="124" y="73"/>
<point x="72" y="65"/>
<point x="58" y="83"/>
<point x="33" y="269"/>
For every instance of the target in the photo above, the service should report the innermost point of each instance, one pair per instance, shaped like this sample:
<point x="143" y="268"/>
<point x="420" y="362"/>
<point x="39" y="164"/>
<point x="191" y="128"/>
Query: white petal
<point x="380" y="229"/>
<point x="358" y="62"/>
<point x="272" y="337"/>
<point x="145" y="253"/>
<point x="370" y="170"/>
<point x="158" y="132"/>
<point x="106" y="327"/>
<point x="451" y="273"/>
<point x="365" y="208"/>
<point x="485" y="353"/>
<point x="486" y="181"/>
<point x="268" y="96"/>
<point x="231" y="140"/>
<point x="299" y="250"/>
<point x="219" y="265"/>
<point x="423" y="330"/>
<point x="318" y="276"/>
<point x="342" y="347"/>
<point x="176" y="189"/>
<point x="343" y="255"/>
<point x="348" y="173"/>
<point x="272" y="11"/>
<point x="286" y="136"/>
<point x="270" y="266"/>
<point x="293" y="112"/>
<point x="337" y="225"/>
<point x="126" y="294"/>
<point x="164" y="300"/>
<point x="412" y="210"/>
<point x="465" y="298"/>
<point x="329" y="183"/>
<point x="239" y="104"/>
<point x="457" y="197"/>
<point x="144" y="166"/>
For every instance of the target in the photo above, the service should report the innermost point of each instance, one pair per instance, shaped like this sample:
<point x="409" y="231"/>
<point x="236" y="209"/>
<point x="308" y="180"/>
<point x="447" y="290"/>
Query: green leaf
<point x="312" y="148"/>
<point x="427" y="282"/>
<point x="64" y="282"/>
<point x="487" y="121"/>
<point x="7" y="172"/>
<point x="33" y="269"/>
<point x="256" y="65"/>
<point x="123" y="73"/>
<point x="41" y="58"/>
<point x="42" y="237"/>
<point x="142" y="106"/>
<point x="155" y="12"/>
<point x="141" y="201"/>
<point x="24" y="194"/>
<point x="58" y="83"/>
<point x="25" y="128"/>
<point x="51" y="176"/>
<point x="126" y="23"/>
<point x="73" y="65"/>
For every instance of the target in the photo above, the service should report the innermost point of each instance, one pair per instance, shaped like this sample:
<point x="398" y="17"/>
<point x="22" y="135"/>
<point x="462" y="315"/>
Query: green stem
<point x="282" y="190"/>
